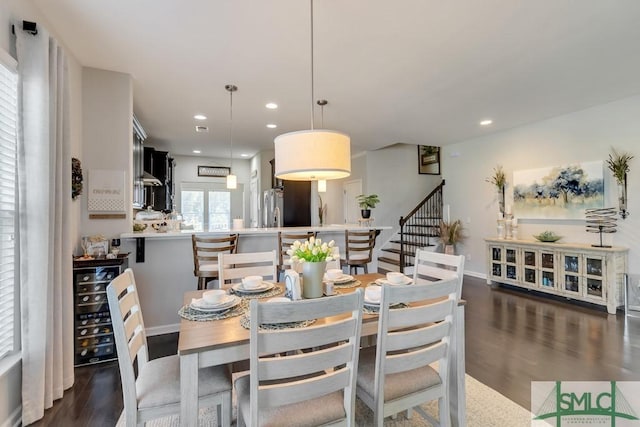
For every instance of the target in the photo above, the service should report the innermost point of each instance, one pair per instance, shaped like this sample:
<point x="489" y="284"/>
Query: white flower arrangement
<point x="313" y="250"/>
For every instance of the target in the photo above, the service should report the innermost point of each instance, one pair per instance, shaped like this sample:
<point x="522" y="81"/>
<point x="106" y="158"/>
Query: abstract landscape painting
<point x="562" y="192"/>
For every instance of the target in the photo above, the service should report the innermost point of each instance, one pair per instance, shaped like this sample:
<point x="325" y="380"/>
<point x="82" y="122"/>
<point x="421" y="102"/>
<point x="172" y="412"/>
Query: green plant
<point x="312" y="250"/>
<point x="498" y="178"/>
<point x="619" y="165"/>
<point x="451" y="233"/>
<point x="368" y="201"/>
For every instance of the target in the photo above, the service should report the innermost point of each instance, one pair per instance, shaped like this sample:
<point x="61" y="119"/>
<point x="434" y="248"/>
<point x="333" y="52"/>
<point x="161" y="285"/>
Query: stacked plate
<point x="264" y="287"/>
<point x="340" y="279"/>
<point x="406" y="281"/>
<point x="226" y="303"/>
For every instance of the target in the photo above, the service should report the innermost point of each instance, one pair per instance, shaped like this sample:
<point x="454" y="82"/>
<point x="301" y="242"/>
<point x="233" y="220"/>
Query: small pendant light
<point x="232" y="180"/>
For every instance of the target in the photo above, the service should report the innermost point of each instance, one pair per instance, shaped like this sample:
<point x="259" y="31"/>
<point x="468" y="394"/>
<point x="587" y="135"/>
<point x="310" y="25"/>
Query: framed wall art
<point x="558" y="192"/>
<point x="214" y="171"/>
<point x="428" y="160"/>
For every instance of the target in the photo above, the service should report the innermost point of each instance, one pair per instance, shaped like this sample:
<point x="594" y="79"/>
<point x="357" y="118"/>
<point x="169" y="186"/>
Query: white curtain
<point x="44" y="177"/>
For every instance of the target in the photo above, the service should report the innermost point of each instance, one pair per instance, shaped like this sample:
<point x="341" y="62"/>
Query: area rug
<point x="485" y="408"/>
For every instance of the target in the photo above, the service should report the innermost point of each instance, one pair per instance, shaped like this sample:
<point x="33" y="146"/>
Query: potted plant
<point x="499" y="180"/>
<point x="618" y="164"/>
<point x="450" y="234"/>
<point x="367" y="202"/>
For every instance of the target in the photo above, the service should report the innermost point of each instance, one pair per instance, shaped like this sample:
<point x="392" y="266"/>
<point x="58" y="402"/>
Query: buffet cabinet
<point x="93" y="333"/>
<point x="581" y="272"/>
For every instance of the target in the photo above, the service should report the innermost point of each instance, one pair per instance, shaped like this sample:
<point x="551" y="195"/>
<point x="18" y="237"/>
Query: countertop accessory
<point x="601" y="221"/>
<point x="547" y="237"/>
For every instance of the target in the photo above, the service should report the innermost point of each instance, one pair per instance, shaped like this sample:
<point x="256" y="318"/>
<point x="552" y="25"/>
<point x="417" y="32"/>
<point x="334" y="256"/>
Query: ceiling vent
<point x="202" y="129"/>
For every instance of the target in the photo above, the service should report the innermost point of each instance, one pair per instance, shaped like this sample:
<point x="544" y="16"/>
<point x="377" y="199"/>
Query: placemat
<point x="189" y="313"/>
<point x="369" y="309"/>
<point x="245" y="322"/>
<point x="247" y="295"/>
<point x="347" y="285"/>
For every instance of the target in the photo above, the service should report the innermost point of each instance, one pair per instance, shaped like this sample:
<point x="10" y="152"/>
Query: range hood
<point x="149" y="180"/>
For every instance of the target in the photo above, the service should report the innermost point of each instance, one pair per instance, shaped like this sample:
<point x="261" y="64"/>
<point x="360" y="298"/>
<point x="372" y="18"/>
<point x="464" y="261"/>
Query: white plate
<point x="406" y="281"/>
<point x="278" y="299"/>
<point x="266" y="286"/>
<point x="200" y="305"/>
<point x="372" y="303"/>
<point x="342" y="279"/>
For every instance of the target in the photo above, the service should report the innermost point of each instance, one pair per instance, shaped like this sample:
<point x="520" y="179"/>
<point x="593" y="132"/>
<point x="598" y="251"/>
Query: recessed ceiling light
<point x="197" y="151"/>
<point x="244" y="155"/>
<point x="271" y="105"/>
<point x="200" y="117"/>
<point x="272" y="126"/>
<point x="486" y="122"/>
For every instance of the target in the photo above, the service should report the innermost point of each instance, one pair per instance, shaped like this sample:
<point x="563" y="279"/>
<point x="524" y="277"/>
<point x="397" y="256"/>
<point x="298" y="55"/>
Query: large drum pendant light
<point x="314" y="154"/>
<point x="232" y="180"/>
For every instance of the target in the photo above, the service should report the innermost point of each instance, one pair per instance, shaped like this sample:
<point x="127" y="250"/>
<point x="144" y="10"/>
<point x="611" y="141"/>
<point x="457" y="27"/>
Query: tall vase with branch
<point x="322" y="211"/>
<point x="499" y="180"/>
<point x="618" y="164"/>
<point x="451" y="233"/>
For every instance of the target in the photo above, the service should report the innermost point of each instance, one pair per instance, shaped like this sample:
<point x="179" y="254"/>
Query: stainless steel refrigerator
<point x="272" y="207"/>
<point x="289" y="206"/>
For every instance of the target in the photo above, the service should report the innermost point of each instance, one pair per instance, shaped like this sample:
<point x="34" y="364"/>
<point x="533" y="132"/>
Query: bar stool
<point x="285" y="240"/>
<point x="205" y="256"/>
<point x="358" y="249"/>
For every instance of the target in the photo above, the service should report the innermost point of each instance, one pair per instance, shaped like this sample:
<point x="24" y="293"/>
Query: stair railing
<point x="421" y="223"/>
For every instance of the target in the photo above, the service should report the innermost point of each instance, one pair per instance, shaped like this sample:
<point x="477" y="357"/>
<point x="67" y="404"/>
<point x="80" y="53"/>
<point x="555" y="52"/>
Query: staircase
<point x="418" y="229"/>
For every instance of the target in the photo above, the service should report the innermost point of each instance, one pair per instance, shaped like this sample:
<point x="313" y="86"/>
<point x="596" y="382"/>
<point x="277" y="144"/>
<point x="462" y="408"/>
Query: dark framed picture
<point x="215" y="171"/>
<point x="429" y="159"/>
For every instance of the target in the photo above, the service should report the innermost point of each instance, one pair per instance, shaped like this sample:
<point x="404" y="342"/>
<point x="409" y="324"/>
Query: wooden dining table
<point x="219" y="342"/>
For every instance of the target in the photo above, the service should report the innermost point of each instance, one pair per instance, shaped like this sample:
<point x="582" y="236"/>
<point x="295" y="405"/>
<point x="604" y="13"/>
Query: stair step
<point x="422" y="225"/>
<point x="392" y="250"/>
<point x="392" y="261"/>
<point x="427" y="217"/>
<point x="410" y="233"/>
<point x="409" y="243"/>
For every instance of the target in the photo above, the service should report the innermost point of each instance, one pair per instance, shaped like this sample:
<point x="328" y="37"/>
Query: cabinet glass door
<point x="548" y="279"/>
<point x="594" y="271"/>
<point x="546" y="260"/>
<point x="496" y="254"/>
<point x="529" y="258"/>
<point x="530" y="275"/>
<point x="572" y="271"/>
<point x="510" y="255"/>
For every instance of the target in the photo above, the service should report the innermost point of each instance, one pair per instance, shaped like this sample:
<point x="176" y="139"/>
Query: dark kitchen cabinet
<point x="296" y="203"/>
<point x="138" y="164"/>
<point x="160" y="165"/>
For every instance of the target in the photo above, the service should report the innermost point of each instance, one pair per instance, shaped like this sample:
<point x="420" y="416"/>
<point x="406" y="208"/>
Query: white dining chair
<point x="155" y="392"/>
<point x="396" y="375"/>
<point x="233" y="267"/>
<point x="302" y="376"/>
<point x="431" y="266"/>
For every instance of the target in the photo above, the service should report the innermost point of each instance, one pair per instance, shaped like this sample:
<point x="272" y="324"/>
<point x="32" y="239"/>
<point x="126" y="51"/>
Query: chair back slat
<point x="132" y="324"/>
<point x="285" y="240"/>
<point x="233" y="267"/>
<point x="416" y="359"/>
<point x="135" y="344"/>
<point x="418" y="337"/>
<point x="305" y="363"/>
<point x="312" y="336"/>
<point x="434" y="312"/>
<point x="305" y="389"/>
<point x="287" y="366"/>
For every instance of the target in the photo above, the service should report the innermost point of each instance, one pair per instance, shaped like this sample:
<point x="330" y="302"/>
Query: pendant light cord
<point x="231" y="129"/>
<point x="312" y="94"/>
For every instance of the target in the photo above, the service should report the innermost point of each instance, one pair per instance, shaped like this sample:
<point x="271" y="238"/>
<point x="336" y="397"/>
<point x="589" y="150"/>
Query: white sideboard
<point x="576" y="271"/>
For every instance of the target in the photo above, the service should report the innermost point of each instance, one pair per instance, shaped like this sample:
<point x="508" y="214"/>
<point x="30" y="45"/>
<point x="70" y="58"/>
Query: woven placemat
<point x="370" y="309"/>
<point x="347" y="285"/>
<point x="277" y="290"/>
<point x="190" y="313"/>
<point x="245" y="322"/>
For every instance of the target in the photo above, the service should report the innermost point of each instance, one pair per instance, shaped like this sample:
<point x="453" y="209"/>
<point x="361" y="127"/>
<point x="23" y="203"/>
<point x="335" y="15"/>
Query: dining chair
<point x="155" y="392"/>
<point x="431" y="266"/>
<point x="358" y="249"/>
<point x="396" y="375"/>
<point x="205" y="256"/>
<point x="233" y="267"/>
<point x="285" y="240"/>
<point x="302" y="375"/>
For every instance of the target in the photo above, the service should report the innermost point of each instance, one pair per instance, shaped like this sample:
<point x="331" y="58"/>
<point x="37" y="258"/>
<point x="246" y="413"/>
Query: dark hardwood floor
<point x="512" y="338"/>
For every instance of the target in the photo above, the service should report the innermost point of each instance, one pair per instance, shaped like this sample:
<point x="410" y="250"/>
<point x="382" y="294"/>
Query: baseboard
<point x="15" y="419"/>
<point x="161" y="330"/>
<point x="476" y="274"/>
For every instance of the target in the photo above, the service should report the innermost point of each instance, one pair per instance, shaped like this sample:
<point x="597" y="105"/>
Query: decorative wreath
<point x="76" y="178"/>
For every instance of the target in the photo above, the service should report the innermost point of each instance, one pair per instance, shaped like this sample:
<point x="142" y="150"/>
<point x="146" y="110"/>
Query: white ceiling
<point x="412" y="71"/>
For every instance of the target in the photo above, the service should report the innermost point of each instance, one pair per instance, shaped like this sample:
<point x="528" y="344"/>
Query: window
<point x="8" y="182"/>
<point x="206" y="207"/>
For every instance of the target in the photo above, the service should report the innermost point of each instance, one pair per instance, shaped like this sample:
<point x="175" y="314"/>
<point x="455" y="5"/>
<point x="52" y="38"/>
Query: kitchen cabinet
<point x="160" y="165"/>
<point x="138" y="164"/>
<point x="575" y="271"/>
<point x="93" y="333"/>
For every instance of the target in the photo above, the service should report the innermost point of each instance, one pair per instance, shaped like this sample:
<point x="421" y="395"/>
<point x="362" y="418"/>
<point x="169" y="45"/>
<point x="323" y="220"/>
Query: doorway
<point x="351" y="190"/>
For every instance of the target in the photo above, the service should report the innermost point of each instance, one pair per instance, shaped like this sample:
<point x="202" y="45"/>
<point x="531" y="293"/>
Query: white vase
<point x="312" y="275"/>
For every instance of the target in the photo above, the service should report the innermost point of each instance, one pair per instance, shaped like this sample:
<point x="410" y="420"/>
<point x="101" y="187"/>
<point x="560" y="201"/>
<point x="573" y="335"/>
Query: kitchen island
<point x="167" y="270"/>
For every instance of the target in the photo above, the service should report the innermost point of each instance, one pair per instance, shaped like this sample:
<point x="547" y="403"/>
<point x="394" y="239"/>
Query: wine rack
<point x="94" y="341"/>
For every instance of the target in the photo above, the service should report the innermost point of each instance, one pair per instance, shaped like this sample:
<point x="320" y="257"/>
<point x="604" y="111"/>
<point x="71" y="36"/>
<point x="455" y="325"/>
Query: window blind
<point x="8" y="152"/>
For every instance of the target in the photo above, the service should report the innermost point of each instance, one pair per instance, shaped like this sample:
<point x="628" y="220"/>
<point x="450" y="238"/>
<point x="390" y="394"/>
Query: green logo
<point x="609" y="403"/>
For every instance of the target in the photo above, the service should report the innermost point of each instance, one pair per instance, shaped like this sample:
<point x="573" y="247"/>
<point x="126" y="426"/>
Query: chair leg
<point x="366" y="269"/>
<point x="225" y="409"/>
<point x="202" y="283"/>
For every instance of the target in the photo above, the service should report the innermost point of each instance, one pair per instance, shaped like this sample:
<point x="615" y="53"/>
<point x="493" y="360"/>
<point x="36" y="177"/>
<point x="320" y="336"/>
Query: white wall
<point x="582" y="136"/>
<point x="14" y="11"/>
<point x="107" y="104"/>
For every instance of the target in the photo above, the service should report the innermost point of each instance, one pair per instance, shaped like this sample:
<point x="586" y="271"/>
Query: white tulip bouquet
<point x="313" y="250"/>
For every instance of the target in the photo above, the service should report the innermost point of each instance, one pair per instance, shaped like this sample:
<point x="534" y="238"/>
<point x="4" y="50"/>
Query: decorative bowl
<point x="252" y="282"/>
<point x="548" y="237"/>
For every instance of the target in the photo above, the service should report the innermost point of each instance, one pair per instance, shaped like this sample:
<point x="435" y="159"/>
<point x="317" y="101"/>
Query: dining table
<point x="224" y="341"/>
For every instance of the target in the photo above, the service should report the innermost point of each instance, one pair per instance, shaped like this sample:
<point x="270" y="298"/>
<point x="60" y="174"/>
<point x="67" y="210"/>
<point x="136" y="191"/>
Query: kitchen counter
<point x="166" y="271"/>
